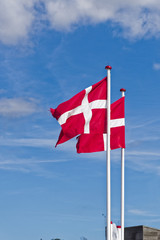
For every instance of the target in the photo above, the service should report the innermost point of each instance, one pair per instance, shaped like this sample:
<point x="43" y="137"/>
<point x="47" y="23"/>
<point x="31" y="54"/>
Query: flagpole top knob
<point x="108" y="67"/>
<point x="122" y="90"/>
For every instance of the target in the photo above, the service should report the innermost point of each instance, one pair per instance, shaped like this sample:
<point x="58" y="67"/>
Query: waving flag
<point x="83" y="113"/>
<point x="97" y="142"/>
<point x="90" y="115"/>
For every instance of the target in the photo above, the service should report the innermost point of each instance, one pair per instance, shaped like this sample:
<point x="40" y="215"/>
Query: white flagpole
<point x="108" y="177"/>
<point x="122" y="183"/>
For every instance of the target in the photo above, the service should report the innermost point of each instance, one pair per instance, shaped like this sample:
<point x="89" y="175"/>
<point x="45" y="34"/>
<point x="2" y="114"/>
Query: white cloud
<point x="141" y="213"/>
<point x="36" y="166"/>
<point x="29" y="161"/>
<point x="136" y="18"/>
<point x="28" y="142"/>
<point x="143" y="153"/>
<point x="17" y="107"/>
<point x="143" y="161"/>
<point x="156" y="66"/>
<point x="38" y="143"/>
<point x="16" y="18"/>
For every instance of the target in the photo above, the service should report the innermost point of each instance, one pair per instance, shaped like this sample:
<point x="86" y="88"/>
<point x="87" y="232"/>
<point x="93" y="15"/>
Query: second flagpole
<point x="122" y="182"/>
<point x="108" y="177"/>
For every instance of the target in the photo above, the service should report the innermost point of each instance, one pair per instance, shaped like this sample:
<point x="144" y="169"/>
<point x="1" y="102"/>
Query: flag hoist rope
<point x="108" y="177"/>
<point x="122" y="183"/>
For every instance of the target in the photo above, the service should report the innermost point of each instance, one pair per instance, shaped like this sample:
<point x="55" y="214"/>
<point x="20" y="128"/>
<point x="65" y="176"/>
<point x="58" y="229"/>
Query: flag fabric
<point x="97" y="142"/>
<point x="115" y="232"/>
<point x="83" y="113"/>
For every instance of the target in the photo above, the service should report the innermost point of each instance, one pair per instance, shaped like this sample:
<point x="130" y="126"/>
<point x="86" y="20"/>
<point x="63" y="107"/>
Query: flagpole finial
<point x="122" y="90"/>
<point x="108" y="67"/>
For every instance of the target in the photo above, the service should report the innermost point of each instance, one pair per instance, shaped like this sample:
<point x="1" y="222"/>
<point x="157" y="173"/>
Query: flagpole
<point x="108" y="177"/>
<point x="122" y="183"/>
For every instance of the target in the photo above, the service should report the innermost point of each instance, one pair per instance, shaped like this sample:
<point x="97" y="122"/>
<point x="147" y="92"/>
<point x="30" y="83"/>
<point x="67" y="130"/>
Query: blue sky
<point x="49" y="51"/>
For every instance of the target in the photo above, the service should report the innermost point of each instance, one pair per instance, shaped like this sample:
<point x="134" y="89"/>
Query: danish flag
<point x="97" y="142"/>
<point x="83" y="113"/>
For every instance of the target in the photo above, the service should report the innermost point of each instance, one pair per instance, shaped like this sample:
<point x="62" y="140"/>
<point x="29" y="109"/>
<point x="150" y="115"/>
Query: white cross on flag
<point x="97" y="142"/>
<point x="83" y="113"/>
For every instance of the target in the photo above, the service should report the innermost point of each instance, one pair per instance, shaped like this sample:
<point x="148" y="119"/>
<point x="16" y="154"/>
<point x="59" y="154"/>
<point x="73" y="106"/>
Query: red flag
<point x="97" y="142"/>
<point x="83" y="113"/>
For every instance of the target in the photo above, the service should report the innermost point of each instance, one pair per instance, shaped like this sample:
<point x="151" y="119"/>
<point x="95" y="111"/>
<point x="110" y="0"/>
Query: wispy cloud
<point x="27" y="142"/>
<point x="139" y="212"/>
<point x="143" y="153"/>
<point x="144" y="161"/>
<point x="29" y="161"/>
<point x="143" y="123"/>
<point x="142" y="216"/>
<point x="16" y="18"/>
<point x="142" y="140"/>
<point x="31" y="165"/>
<point x="38" y="143"/>
<point x="136" y="19"/>
<point x="17" y="107"/>
<point x="156" y="66"/>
